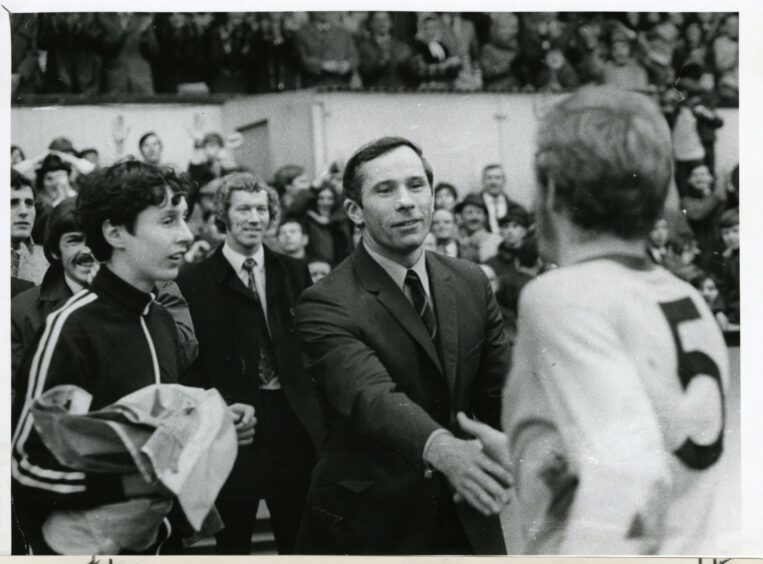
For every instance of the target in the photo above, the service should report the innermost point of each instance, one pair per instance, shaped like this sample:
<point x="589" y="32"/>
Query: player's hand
<point x="244" y="422"/>
<point x="478" y="479"/>
<point x="135" y="485"/>
<point x="494" y="442"/>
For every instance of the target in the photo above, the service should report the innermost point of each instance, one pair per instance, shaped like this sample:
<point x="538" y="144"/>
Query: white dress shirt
<point x="398" y="272"/>
<point x="236" y="260"/>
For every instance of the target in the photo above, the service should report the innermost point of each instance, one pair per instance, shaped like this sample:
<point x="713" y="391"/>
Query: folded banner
<point x="180" y="435"/>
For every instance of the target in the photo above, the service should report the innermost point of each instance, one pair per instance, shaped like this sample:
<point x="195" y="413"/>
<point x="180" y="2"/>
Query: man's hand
<point x="343" y="67"/>
<point x="494" y="443"/>
<point x="330" y="66"/>
<point x="119" y="130"/>
<point x="244" y="421"/>
<point x="482" y="482"/>
<point x="134" y="485"/>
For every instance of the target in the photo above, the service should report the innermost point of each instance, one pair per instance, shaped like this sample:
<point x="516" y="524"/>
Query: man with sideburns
<point x="242" y="301"/>
<point x="397" y="341"/>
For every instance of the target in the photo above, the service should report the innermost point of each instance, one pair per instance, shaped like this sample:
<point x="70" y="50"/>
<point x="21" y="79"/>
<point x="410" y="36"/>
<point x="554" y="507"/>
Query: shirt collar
<point x="27" y="244"/>
<point x="124" y="294"/>
<point x="398" y="272"/>
<point x="236" y="259"/>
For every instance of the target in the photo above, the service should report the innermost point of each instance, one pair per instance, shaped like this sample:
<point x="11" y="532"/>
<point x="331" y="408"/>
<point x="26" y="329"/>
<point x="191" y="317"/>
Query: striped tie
<point x="421" y="302"/>
<point x="267" y="366"/>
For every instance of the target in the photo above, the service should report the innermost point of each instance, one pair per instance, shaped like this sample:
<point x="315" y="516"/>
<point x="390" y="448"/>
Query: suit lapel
<point x="446" y="310"/>
<point x="275" y="280"/>
<point x="375" y="279"/>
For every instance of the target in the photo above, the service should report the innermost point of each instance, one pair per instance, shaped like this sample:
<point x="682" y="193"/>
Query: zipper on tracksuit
<point x="151" y="348"/>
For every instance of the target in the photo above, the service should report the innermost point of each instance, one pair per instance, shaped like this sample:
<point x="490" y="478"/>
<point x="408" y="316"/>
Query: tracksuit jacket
<point x="110" y="339"/>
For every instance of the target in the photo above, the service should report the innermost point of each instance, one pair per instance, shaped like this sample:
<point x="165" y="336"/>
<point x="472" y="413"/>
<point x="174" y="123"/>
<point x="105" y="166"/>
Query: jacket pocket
<point x="475" y="349"/>
<point x="356" y="486"/>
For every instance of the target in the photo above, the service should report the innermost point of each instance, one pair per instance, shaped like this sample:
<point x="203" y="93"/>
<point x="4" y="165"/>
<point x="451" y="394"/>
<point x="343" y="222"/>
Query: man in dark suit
<point x="242" y="301"/>
<point x="498" y="204"/>
<point x="398" y="341"/>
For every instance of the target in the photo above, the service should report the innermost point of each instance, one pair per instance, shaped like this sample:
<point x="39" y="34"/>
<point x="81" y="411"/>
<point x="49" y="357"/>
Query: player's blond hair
<point x="608" y="154"/>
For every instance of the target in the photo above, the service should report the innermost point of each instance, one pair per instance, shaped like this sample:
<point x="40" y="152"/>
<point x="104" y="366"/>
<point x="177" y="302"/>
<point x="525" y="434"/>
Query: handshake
<point x="479" y="470"/>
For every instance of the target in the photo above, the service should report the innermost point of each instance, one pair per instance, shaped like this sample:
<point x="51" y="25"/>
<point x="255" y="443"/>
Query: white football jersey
<point x="615" y="411"/>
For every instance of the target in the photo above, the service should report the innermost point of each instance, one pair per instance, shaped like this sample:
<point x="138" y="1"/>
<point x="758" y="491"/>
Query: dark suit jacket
<point x="223" y="313"/>
<point x="18" y="285"/>
<point x="385" y="388"/>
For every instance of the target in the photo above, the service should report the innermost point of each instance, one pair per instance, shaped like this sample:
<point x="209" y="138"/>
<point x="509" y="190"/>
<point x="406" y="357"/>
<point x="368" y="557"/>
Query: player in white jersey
<point x="614" y="408"/>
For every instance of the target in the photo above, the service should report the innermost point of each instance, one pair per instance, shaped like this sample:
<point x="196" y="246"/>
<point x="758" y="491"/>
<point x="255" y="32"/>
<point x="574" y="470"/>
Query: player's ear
<point x="354" y="212"/>
<point x="113" y="234"/>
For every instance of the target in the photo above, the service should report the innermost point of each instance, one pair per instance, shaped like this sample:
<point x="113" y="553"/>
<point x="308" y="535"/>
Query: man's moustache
<point x="82" y="259"/>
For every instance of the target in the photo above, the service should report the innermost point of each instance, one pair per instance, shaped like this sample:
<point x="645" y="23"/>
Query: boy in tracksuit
<point x="110" y="339"/>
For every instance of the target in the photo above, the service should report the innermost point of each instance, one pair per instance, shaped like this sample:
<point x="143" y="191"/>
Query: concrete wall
<point x="459" y="133"/>
<point x="90" y="126"/>
<point x="289" y="125"/>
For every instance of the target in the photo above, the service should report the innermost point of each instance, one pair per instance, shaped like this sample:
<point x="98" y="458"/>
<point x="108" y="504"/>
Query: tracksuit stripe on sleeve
<point x="37" y="375"/>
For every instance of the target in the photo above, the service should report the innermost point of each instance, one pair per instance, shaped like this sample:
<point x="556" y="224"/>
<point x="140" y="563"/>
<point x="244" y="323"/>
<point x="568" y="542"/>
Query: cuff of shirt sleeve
<point x="428" y="469"/>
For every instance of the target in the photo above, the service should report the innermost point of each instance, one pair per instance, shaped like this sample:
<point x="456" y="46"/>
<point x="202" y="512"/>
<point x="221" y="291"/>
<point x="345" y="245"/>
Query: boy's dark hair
<point x="62" y="219"/>
<point x="353" y="179"/>
<point x="119" y="193"/>
<point x="19" y="181"/>
<point x="608" y="155"/>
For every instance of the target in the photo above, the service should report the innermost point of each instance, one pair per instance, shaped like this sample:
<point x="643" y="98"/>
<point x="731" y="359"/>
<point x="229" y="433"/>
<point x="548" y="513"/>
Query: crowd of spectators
<point x="255" y="52"/>
<point x="481" y="223"/>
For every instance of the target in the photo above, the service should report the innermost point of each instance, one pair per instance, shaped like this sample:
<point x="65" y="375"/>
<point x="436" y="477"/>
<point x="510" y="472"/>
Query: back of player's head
<point x="62" y="219"/>
<point x="118" y="194"/>
<point x="608" y="155"/>
<point x="247" y="182"/>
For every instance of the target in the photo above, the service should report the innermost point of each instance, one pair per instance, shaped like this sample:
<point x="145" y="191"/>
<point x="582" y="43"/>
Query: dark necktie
<point x="267" y="372"/>
<point x="421" y="302"/>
